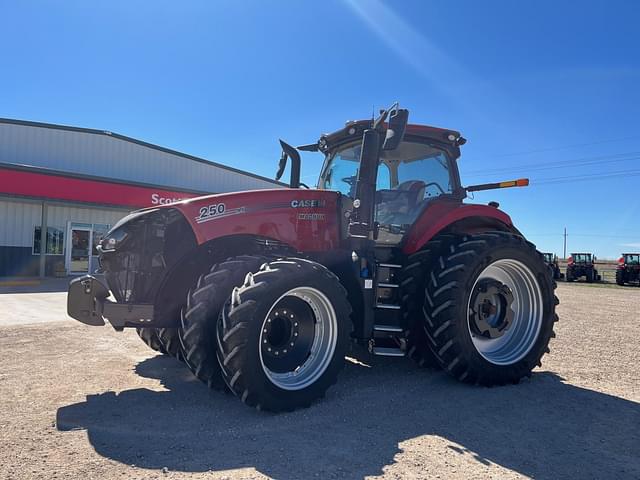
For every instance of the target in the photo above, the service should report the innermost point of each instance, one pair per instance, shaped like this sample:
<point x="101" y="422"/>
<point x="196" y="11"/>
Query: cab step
<point x="387" y="328"/>
<point x="388" y="352"/>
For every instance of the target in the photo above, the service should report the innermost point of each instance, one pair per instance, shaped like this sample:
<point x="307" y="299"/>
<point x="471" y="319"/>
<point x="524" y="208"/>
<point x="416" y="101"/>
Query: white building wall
<point x="17" y="221"/>
<point x="108" y="156"/>
<point x="57" y="216"/>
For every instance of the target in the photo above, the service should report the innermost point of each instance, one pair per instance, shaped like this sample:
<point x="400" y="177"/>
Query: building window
<point x="55" y="241"/>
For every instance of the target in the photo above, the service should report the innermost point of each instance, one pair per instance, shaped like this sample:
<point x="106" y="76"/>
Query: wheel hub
<point x="490" y="312"/>
<point x="287" y="335"/>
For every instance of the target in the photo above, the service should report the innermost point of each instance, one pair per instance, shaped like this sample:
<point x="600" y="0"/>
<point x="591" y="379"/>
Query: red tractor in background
<point x="628" y="269"/>
<point x="582" y="265"/>
<point x="262" y="292"/>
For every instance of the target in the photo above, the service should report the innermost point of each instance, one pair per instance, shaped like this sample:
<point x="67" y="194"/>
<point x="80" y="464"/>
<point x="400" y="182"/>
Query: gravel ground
<point x="87" y="402"/>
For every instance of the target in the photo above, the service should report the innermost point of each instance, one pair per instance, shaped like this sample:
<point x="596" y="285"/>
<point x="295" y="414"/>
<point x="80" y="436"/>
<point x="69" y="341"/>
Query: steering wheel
<point x="349" y="181"/>
<point x="437" y="185"/>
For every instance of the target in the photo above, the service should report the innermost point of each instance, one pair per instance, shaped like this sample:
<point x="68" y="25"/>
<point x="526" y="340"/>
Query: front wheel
<point x="150" y="337"/>
<point x="490" y="308"/>
<point x="202" y="310"/>
<point x="283" y="335"/>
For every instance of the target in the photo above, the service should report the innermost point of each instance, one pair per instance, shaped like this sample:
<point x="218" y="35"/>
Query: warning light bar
<point x="521" y="182"/>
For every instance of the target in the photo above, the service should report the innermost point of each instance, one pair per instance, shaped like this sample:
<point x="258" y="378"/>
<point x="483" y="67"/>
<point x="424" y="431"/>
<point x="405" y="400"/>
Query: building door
<point x="79" y="249"/>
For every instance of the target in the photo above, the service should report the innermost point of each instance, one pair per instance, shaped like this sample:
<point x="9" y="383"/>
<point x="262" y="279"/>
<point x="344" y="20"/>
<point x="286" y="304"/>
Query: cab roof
<point x="354" y="129"/>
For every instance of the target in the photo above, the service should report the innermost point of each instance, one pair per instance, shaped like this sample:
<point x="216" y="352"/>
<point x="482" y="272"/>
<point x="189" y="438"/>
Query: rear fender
<point x="455" y="217"/>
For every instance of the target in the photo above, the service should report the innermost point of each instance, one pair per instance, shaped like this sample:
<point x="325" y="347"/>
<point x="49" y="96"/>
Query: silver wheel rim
<point x="527" y="309"/>
<point x="322" y="347"/>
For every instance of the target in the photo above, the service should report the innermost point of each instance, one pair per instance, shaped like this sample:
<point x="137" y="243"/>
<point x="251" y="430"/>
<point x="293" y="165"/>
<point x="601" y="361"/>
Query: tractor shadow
<point x="542" y="428"/>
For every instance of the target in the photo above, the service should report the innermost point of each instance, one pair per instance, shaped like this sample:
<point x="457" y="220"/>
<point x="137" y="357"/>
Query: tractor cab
<point x="549" y="258"/>
<point x="581" y="258"/>
<point x="631" y="259"/>
<point x="388" y="173"/>
<point x="421" y="169"/>
<point x="628" y="269"/>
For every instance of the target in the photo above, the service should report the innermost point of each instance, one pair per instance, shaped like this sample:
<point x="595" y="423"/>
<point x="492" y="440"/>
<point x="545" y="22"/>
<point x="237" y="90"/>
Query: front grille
<point x="154" y="243"/>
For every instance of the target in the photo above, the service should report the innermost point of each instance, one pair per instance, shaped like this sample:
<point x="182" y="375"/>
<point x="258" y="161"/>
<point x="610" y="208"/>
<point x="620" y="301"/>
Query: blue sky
<point x="543" y="89"/>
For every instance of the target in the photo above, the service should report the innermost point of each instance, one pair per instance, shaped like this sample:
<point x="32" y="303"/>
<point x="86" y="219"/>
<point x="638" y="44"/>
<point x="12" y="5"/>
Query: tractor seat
<point x="401" y="204"/>
<point x="416" y="190"/>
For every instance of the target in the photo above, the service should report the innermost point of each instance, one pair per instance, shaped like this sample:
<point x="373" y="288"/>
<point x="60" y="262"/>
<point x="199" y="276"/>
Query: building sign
<point x="58" y="187"/>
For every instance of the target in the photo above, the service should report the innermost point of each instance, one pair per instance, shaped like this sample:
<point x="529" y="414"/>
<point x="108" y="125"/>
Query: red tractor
<point x="628" y="269"/>
<point x="262" y="292"/>
<point x="582" y="265"/>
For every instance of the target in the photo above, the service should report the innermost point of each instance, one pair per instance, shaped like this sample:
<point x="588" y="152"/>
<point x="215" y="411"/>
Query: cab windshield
<point x="632" y="259"/>
<point x="581" y="257"/>
<point x="408" y="178"/>
<point x="548" y="257"/>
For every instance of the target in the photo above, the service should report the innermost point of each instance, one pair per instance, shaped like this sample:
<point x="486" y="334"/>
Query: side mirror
<point x="398" y="120"/>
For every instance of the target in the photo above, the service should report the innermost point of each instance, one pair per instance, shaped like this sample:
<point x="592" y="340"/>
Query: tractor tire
<point x="475" y="335"/>
<point x="620" y="280"/>
<point x="170" y="339"/>
<point x="200" y="315"/>
<point x="589" y="276"/>
<point x="413" y="279"/>
<point x="150" y="337"/>
<point x="569" y="277"/>
<point x="283" y="335"/>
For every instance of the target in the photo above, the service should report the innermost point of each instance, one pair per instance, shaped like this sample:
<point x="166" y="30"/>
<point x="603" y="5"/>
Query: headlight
<point x="112" y="240"/>
<point x="119" y="232"/>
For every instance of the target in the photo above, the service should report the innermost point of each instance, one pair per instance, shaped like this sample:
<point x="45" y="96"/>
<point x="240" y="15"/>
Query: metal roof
<point x="127" y="172"/>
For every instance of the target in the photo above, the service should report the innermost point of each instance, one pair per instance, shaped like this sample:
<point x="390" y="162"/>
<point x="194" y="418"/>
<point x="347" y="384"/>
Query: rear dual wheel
<point x="283" y="335"/>
<point x="590" y="276"/>
<point x="489" y="308"/>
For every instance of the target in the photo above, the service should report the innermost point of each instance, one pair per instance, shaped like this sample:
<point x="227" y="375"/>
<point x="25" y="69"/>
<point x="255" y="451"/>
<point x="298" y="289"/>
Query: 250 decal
<point x="217" y="210"/>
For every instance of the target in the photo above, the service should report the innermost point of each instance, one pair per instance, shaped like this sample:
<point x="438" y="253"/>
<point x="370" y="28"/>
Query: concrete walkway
<point x="25" y="301"/>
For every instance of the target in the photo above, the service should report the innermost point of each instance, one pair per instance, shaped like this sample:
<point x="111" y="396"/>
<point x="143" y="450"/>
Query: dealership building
<point x="61" y="188"/>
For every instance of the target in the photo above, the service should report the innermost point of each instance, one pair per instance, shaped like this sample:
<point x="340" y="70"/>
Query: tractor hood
<point x="305" y="219"/>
